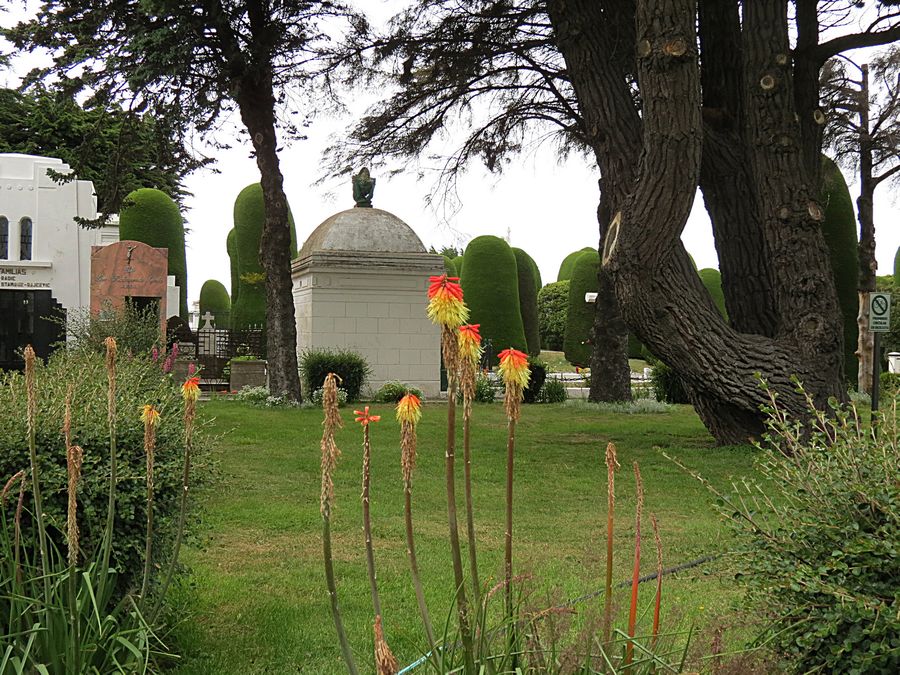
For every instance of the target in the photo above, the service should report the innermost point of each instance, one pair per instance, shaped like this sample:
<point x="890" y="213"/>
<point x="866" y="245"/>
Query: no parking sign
<point x="879" y="312"/>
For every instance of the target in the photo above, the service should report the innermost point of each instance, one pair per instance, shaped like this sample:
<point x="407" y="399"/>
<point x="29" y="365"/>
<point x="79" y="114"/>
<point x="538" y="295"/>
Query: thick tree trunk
<point x="610" y="371"/>
<point x="257" y="104"/>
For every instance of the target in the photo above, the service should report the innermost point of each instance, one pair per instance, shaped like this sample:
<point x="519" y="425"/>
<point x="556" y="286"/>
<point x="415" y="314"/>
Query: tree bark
<point x="868" y="267"/>
<point x="257" y="104"/>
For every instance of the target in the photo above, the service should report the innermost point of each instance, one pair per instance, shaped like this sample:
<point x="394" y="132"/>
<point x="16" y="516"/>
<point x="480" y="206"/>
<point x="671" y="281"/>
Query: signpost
<point x="879" y="322"/>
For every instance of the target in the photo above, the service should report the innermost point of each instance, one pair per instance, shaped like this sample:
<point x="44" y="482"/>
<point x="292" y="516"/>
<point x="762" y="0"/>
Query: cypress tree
<point x="839" y="228"/>
<point x="151" y="217"/>
<point x="526" y="269"/>
<point x="553" y="309"/>
<point x="568" y="263"/>
<point x="214" y="299"/>
<point x="897" y="266"/>
<point x="712" y="280"/>
<point x="580" y="316"/>
<point x="231" y="247"/>
<point x="491" y="286"/>
<point x="450" y="266"/>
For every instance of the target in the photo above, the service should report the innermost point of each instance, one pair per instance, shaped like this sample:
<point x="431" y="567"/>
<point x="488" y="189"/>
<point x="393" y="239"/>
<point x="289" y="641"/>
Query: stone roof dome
<point x="364" y="229"/>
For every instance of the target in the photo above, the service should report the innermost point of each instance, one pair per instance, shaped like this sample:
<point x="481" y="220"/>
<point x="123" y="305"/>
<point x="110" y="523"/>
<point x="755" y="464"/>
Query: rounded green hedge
<point x="897" y="266"/>
<point x="491" y="287"/>
<point x="231" y="247"/>
<point x="553" y="308"/>
<point x="215" y="300"/>
<point x="580" y="316"/>
<point x="458" y="262"/>
<point x="712" y="280"/>
<point x="450" y="267"/>
<point x="151" y="217"/>
<point x="568" y="263"/>
<point x="526" y="270"/>
<point x="249" y="308"/>
<point x="839" y="228"/>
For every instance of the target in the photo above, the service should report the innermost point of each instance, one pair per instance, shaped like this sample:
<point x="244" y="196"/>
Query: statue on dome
<point x="363" y="188"/>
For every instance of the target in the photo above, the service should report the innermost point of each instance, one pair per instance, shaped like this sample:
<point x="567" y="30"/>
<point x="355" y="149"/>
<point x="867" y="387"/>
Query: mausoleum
<point x="360" y="283"/>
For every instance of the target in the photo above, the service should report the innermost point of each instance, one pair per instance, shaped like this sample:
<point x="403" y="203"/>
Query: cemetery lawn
<point x="254" y="598"/>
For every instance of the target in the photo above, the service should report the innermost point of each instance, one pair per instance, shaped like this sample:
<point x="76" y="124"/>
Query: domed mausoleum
<point x="360" y="281"/>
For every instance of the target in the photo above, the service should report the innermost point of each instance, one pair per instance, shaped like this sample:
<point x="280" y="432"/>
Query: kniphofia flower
<point x="514" y="367"/>
<point x="409" y="409"/>
<point x="364" y="417"/>
<point x="150" y="415"/>
<point x="445" y="301"/>
<point x="470" y="342"/>
<point x="190" y="390"/>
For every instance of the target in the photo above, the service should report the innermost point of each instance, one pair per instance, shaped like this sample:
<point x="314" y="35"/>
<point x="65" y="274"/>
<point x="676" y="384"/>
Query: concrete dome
<point x="363" y="229"/>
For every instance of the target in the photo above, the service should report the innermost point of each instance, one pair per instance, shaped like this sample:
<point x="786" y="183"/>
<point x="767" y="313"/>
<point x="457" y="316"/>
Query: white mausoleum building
<point x="360" y="283"/>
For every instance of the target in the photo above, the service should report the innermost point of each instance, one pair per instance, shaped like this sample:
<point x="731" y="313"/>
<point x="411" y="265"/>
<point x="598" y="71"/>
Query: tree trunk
<point x="610" y="371"/>
<point x="868" y="267"/>
<point x="257" y="104"/>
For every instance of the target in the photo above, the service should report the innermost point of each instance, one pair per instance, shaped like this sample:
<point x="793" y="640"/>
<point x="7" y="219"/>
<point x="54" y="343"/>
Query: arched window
<point x="25" y="239"/>
<point x="4" y="238"/>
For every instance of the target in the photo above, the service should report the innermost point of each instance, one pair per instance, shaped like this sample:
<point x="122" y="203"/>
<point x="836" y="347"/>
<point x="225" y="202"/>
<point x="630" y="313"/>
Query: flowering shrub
<point x="393" y="391"/>
<point x="316" y="397"/>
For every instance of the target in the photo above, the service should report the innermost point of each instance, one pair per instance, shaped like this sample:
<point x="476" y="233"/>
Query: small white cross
<point x="207" y="321"/>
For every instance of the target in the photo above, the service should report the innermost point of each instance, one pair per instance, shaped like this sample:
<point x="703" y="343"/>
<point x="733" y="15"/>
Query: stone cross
<point x="207" y="321"/>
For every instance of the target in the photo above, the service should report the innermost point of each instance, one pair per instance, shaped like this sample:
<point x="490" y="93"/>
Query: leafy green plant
<point x="394" y="390"/>
<point x="136" y="330"/>
<point x="553" y="307"/>
<point x="317" y="396"/>
<point x="667" y="385"/>
<point x="350" y="367"/>
<point x="890" y="384"/>
<point x="536" y="378"/>
<point x="553" y="391"/>
<point x="819" y="536"/>
<point x="484" y="389"/>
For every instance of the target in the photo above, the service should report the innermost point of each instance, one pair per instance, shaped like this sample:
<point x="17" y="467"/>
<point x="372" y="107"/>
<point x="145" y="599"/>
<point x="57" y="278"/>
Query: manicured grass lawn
<point x="255" y="595"/>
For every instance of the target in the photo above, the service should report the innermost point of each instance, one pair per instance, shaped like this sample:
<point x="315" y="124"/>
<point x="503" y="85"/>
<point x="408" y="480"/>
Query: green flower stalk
<point x="74" y="458"/>
<point x="469" y="358"/>
<point x="330" y="454"/>
<point x="659" y="575"/>
<point x="150" y="418"/>
<point x="31" y="415"/>
<point x="408" y="415"/>
<point x="636" y="574"/>
<point x="106" y="545"/>
<point x="364" y="418"/>
<point x="611" y="465"/>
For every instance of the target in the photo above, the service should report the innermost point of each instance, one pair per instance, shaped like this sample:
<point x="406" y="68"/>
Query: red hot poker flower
<point x="190" y="390"/>
<point x="364" y="417"/>
<point x="514" y="367"/>
<point x="445" y="301"/>
<point x="470" y="342"/>
<point x="408" y="409"/>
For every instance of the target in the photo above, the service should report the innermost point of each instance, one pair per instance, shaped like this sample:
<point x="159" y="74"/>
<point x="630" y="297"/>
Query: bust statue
<point x="363" y="188"/>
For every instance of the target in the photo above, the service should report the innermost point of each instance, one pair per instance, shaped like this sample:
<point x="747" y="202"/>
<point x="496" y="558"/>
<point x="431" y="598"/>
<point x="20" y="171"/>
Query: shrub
<point x="890" y="384"/>
<point x="136" y="330"/>
<point x="231" y="247"/>
<point x="484" y="390"/>
<point x="249" y="308"/>
<point x="249" y="394"/>
<point x="553" y="391"/>
<point x="316" y="398"/>
<point x="352" y="368"/>
<point x="839" y="230"/>
<point x="819" y="534"/>
<point x="215" y="300"/>
<point x="450" y="267"/>
<point x="667" y="384"/>
<point x="393" y="391"/>
<point x="538" y="373"/>
<point x="526" y="269"/>
<point x="491" y="287"/>
<point x="568" y="264"/>
<point x="150" y="216"/>
<point x="553" y="306"/>
<point x="139" y="381"/>
<point x="580" y="315"/>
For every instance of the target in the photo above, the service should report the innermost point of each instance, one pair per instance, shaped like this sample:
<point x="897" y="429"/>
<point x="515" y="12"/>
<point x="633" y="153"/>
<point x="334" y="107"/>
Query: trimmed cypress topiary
<point x="553" y="308"/>
<point x="568" y="263"/>
<point x="450" y="267"/>
<point x="491" y="286"/>
<point x="580" y="316"/>
<point x="897" y="266"/>
<point x="215" y="300"/>
<point x="151" y="217"/>
<point x="839" y="228"/>
<point x="712" y="279"/>
<point x="249" y="308"/>
<point x="525" y="269"/>
<point x="231" y="247"/>
<point x="458" y="261"/>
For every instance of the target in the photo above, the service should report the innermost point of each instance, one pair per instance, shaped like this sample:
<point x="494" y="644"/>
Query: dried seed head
<point x="385" y="661"/>
<point x="19" y="475"/>
<point x="74" y="459"/>
<point x="640" y="491"/>
<point x="330" y="452"/>
<point x="30" y="389"/>
<point x="408" y="443"/>
<point x="110" y="343"/>
<point x="450" y="351"/>
<point x="612" y="463"/>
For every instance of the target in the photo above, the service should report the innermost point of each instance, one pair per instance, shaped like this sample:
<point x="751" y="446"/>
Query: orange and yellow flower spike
<point x="150" y="415"/>
<point x="364" y="417"/>
<point x="514" y="367"/>
<point x="445" y="301"/>
<point x="409" y="409"/>
<point x="470" y="343"/>
<point x="190" y="390"/>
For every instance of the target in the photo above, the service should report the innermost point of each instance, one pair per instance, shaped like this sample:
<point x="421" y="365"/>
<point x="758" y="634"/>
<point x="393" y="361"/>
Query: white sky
<point x="548" y="207"/>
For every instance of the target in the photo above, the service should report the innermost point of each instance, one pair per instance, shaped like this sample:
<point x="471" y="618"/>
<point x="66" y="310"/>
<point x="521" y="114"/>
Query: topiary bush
<point x="491" y="286"/>
<point x="817" y="541"/>
<point x="897" y="266"/>
<point x="667" y="385"/>
<point x="568" y="264"/>
<point x="839" y="229"/>
<point x="231" y="247"/>
<point x="249" y="307"/>
<point x="580" y="314"/>
<point x="538" y="374"/>
<point x="151" y="217"/>
<point x="553" y="308"/>
<point x="139" y="381"/>
<point x="712" y="280"/>
<point x="553" y="391"/>
<point x="352" y="368"/>
<point x="393" y="391"/>
<point x="890" y="384"/>
<point x="526" y="270"/>
<point x="450" y="267"/>
<point x="214" y="299"/>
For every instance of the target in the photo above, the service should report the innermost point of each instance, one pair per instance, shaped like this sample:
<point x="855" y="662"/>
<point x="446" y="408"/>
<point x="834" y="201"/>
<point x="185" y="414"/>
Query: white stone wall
<point x="61" y="250"/>
<point x="374" y="304"/>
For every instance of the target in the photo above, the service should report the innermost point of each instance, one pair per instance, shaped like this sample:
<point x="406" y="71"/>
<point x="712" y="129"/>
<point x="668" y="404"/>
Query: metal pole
<point x="876" y="377"/>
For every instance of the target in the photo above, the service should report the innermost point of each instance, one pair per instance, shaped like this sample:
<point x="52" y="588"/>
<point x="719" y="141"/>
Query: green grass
<point x="255" y="593"/>
<point x="556" y="362"/>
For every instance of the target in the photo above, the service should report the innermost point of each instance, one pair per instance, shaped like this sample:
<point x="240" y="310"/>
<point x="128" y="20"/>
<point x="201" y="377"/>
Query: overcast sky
<point x="546" y="207"/>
